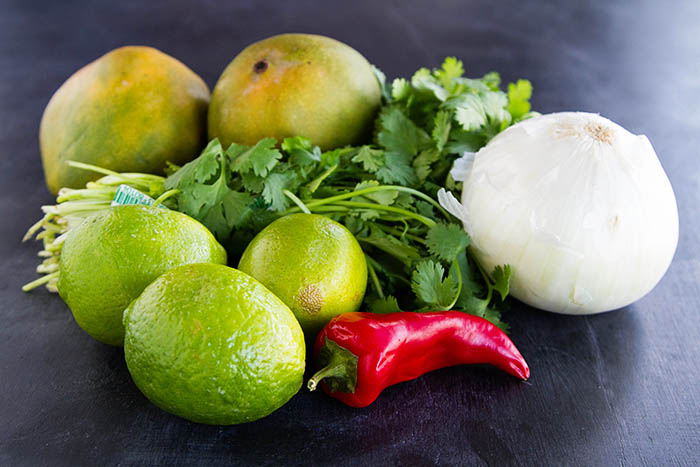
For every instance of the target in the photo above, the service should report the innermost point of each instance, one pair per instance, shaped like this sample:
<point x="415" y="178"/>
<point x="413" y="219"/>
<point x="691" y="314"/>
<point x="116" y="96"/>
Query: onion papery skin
<point x="579" y="207"/>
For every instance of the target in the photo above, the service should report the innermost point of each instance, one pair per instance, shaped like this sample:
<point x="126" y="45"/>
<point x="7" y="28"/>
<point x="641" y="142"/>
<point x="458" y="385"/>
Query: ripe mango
<point x="130" y="110"/>
<point x="295" y="85"/>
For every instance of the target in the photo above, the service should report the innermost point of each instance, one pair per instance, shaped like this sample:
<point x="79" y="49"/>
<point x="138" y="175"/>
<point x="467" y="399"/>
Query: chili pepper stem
<point x="327" y="371"/>
<point x="339" y="368"/>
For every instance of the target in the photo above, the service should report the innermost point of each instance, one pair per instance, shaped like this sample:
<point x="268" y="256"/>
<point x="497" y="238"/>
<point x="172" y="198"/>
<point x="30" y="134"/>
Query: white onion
<point x="578" y="206"/>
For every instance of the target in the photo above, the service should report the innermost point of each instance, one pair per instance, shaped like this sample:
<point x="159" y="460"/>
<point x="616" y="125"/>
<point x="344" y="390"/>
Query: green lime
<point x="211" y="344"/>
<point x="109" y="259"/>
<point x="312" y="263"/>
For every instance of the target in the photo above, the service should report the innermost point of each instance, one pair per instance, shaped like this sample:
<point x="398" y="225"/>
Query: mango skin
<point x="296" y="85"/>
<point x="130" y="110"/>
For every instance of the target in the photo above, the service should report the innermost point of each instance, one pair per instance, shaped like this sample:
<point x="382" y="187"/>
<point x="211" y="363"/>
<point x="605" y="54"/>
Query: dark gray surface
<point x="614" y="389"/>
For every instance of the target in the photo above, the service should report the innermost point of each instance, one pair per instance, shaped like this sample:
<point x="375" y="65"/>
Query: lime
<point x="311" y="262"/>
<point x="109" y="259"/>
<point x="211" y="344"/>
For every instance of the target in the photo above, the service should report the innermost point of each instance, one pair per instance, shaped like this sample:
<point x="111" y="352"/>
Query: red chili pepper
<point x="360" y="354"/>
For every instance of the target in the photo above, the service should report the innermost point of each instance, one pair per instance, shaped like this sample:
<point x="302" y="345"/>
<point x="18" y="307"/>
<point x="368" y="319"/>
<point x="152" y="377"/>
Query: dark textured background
<point x="614" y="389"/>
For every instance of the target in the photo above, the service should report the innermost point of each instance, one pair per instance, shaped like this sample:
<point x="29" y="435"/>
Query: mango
<point x="296" y="85"/>
<point x="130" y="110"/>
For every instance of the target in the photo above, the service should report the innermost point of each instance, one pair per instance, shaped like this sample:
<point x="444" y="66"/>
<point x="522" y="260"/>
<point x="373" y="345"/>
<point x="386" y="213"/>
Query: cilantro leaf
<point x="274" y="184"/>
<point x="492" y="80"/>
<point x="214" y="204"/>
<point x="383" y="197"/>
<point x="441" y="128"/>
<point x="519" y="94"/>
<point x="495" y="107"/>
<point x="494" y="316"/>
<point x="446" y="241"/>
<point x="371" y="159"/>
<point x="430" y="287"/>
<point x="260" y="158"/>
<point x="451" y="69"/>
<point x="425" y="209"/>
<point x="464" y="141"/>
<point x="399" y="134"/>
<point x="252" y="182"/>
<point x="381" y="79"/>
<point x="196" y="171"/>
<point x="387" y="304"/>
<point x="301" y="152"/>
<point x="402" y="251"/>
<point x="423" y="80"/>
<point x="400" y="89"/>
<point x="501" y="278"/>
<point x="422" y="163"/>
<point x="469" y="111"/>
<point x="397" y="169"/>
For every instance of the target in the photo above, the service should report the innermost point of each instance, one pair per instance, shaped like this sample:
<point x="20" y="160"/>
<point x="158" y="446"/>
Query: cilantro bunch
<point x="383" y="192"/>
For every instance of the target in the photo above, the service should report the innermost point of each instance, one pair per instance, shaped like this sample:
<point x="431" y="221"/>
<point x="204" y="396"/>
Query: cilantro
<point x="397" y="169"/>
<point x="399" y="134"/>
<point x="441" y="129"/>
<point x="427" y="282"/>
<point x="501" y="277"/>
<point x="275" y="183"/>
<point x="212" y="203"/>
<point x="371" y="159"/>
<point x="519" y="94"/>
<point x="422" y="163"/>
<point x="260" y="158"/>
<point x="301" y="152"/>
<point x="451" y="69"/>
<point x="384" y="197"/>
<point x="381" y="79"/>
<point x="446" y="241"/>
<point x="400" y="89"/>
<point x="423" y="80"/>
<point x="469" y="111"/>
<point x="393" y="246"/>
<point x="387" y="304"/>
<point x="414" y="252"/>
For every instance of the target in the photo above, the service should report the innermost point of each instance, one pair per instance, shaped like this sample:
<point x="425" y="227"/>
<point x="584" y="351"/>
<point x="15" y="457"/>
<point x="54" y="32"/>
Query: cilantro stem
<point x="400" y="234"/>
<point x="40" y="281"/>
<point x="486" y="278"/>
<point x="315" y="183"/>
<point x="68" y="194"/>
<point x="380" y="207"/>
<point x="372" y="189"/>
<point x="459" y="285"/>
<point x="376" y="265"/>
<point x="71" y="207"/>
<point x="92" y="168"/>
<point x="326" y="209"/>
<point x="296" y="201"/>
<point x="166" y="195"/>
<point x="373" y="276"/>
